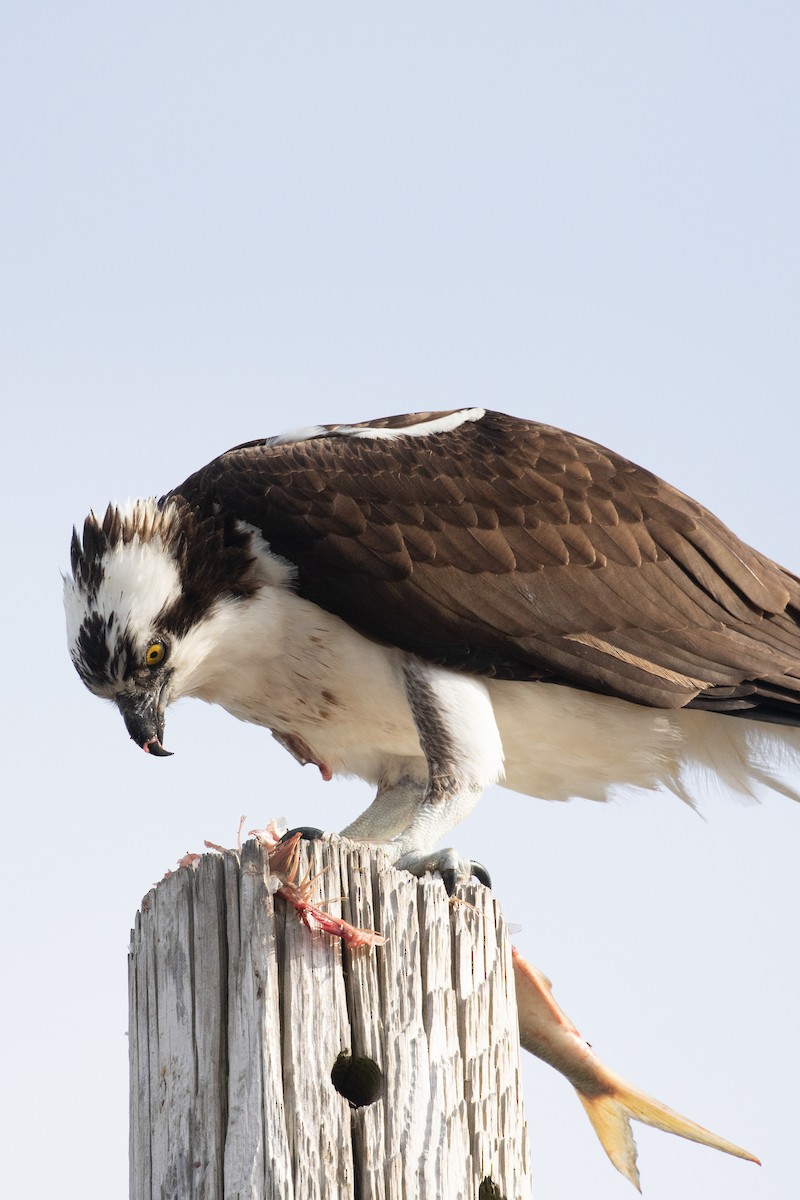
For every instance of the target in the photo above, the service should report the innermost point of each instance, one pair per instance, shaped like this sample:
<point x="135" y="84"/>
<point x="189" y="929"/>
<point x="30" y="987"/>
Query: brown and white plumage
<point x="520" y="551"/>
<point x="441" y="600"/>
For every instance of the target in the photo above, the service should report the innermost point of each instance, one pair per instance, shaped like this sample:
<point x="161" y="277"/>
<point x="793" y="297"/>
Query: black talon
<point x="480" y="873"/>
<point x="309" y="833"/>
<point x="451" y="880"/>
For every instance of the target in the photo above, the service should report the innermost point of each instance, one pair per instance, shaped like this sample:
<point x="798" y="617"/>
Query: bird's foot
<point x="453" y="869"/>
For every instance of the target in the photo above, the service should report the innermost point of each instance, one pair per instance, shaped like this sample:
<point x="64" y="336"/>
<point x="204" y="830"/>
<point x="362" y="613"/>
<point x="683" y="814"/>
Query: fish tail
<point x="610" y="1102"/>
<point x="611" y="1111"/>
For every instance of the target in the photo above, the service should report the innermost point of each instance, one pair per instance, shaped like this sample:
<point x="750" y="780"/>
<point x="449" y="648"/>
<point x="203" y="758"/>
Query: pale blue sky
<point x="221" y="221"/>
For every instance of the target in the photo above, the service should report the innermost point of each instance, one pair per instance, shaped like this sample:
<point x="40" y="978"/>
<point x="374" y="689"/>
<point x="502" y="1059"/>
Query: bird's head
<point x="146" y="582"/>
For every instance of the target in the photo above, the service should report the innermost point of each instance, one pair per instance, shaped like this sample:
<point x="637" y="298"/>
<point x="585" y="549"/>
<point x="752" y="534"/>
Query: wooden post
<point x="238" y="1015"/>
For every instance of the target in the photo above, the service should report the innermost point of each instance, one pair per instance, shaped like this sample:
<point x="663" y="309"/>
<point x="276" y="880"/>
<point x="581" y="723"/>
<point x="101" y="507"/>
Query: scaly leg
<point x="391" y="811"/>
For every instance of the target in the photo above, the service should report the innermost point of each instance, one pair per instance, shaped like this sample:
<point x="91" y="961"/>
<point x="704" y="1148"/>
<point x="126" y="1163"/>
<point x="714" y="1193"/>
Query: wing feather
<point x="506" y="547"/>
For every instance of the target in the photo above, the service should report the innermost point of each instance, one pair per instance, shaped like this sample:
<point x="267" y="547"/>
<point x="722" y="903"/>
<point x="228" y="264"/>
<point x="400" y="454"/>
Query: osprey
<point x="440" y="601"/>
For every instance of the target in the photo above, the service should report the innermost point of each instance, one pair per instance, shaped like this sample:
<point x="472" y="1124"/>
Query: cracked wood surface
<point x="238" y="1013"/>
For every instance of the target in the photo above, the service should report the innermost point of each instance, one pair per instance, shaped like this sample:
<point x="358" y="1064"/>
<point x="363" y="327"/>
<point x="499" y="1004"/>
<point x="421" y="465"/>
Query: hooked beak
<point x="143" y="714"/>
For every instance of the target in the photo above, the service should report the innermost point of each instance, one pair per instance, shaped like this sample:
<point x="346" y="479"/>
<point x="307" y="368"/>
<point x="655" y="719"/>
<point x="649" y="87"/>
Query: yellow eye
<point x="155" y="654"/>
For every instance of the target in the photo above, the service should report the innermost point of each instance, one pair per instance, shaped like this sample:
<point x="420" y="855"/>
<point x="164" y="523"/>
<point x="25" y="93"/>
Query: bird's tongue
<point x="153" y="746"/>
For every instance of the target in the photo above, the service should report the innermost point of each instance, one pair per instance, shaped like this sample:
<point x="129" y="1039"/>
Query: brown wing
<point x="514" y="549"/>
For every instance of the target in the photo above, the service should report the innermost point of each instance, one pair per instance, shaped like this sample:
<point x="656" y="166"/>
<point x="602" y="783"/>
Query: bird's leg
<point x="391" y="811"/>
<point x="461" y="743"/>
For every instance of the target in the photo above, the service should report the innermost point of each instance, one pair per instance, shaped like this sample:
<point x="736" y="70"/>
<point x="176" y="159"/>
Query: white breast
<point x="279" y="661"/>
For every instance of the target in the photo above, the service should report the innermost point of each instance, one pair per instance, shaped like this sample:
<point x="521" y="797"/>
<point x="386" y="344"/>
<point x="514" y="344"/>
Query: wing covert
<point x="511" y="548"/>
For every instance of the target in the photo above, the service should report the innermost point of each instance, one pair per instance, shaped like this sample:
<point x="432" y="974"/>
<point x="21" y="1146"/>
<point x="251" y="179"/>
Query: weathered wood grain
<point x="238" y="1014"/>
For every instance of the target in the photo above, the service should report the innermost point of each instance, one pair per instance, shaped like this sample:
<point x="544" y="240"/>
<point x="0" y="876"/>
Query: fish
<point x="610" y="1101"/>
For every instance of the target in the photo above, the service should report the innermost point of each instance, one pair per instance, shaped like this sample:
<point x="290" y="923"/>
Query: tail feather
<point x="611" y="1111"/>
